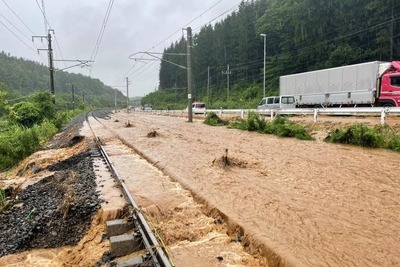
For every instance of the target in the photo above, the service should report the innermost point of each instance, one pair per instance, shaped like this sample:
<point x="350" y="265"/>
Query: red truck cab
<point x="389" y="86"/>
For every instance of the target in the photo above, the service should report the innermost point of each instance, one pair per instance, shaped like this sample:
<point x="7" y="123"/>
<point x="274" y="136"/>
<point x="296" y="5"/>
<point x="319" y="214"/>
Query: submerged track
<point x="156" y="251"/>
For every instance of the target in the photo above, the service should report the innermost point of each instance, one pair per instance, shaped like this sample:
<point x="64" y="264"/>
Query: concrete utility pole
<point x="227" y="72"/>
<point x="73" y="97"/>
<point x="115" y="100"/>
<point x="265" y="45"/>
<point x="127" y="95"/>
<point x="208" y="86"/>
<point x="189" y="73"/>
<point x="51" y="68"/>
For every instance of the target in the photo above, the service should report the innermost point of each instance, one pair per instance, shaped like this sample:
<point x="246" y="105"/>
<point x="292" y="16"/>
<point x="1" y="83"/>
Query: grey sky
<point x="133" y="26"/>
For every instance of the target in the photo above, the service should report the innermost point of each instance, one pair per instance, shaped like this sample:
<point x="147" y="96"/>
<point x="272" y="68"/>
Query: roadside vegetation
<point x="212" y="119"/>
<point x="2" y="199"/>
<point x="360" y="135"/>
<point x="280" y="126"/>
<point x="27" y="125"/>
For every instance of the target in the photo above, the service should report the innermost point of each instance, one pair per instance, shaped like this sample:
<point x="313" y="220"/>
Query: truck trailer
<point x="374" y="83"/>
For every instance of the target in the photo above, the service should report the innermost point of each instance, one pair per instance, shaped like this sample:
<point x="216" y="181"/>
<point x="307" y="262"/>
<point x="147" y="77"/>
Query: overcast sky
<point x="133" y="26"/>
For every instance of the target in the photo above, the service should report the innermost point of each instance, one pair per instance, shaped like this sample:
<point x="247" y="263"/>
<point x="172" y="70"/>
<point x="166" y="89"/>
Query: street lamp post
<point x="265" y="45"/>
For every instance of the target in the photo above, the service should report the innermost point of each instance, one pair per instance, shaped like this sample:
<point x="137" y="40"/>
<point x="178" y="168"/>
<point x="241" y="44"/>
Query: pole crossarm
<point x="153" y="54"/>
<point x="82" y="63"/>
<point x="50" y="54"/>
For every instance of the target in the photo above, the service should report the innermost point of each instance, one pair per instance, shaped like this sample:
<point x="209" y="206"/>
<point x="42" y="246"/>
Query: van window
<point x="263" y="101"/>
<point x="199" y="105"/>
<point x="270" y="100"/>
<point x="287" y="100"/>
<point x="276" y="101"/>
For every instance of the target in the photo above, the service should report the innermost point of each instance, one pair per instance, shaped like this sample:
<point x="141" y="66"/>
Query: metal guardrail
<point x="357" y="111"/>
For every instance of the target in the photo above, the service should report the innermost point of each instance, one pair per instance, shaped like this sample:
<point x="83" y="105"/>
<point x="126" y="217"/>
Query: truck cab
<point x="277" y="102"/>
<point x="389" y="83"/>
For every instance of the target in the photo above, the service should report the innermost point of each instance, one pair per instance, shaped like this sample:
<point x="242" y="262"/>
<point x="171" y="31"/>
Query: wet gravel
<point x="58" y="210"/>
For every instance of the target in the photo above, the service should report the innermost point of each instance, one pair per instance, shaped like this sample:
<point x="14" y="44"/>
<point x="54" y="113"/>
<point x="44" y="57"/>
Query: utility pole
<point x="189" y="73"/>
<point x="73" y="97"/>
<point x="208" y="86"/>
<point x="265" y="45"/>
<point x="115" y="100"/>
<point x="391" y="35"/>
<point x="227" y="73"/>
<point x="127" y="95"/>
<point x="51" y="68"/>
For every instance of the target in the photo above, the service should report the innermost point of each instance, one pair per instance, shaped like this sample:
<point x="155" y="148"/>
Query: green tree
<point x="43" y="101"/>
<point x="26" y="114"/>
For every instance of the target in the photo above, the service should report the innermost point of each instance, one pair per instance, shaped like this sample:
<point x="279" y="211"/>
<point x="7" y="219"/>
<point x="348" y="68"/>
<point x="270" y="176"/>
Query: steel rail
<point x="152" y="245"/>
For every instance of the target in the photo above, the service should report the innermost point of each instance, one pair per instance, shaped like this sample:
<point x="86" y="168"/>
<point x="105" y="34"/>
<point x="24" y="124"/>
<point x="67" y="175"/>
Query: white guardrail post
<point x="383" y="115"/>
<point x="315" y="115"/>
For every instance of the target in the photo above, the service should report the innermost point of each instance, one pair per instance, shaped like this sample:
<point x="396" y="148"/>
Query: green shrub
<point x="213" y="120"/>
<point x="371" y="138"/>
<point x="2" y="198"/>
<point x="280" y="126"/>
<point x="376" y="137"/>
<point x="255" y="123"/>
<point x="239" y="124"/>
<point x="25" y="113"/>
<point x="18" y="142"/>
<point x="394" y="144"/>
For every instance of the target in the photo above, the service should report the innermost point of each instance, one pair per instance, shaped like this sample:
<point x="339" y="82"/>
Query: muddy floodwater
<point x="225" y="197"/>
<point x="299" y="203"/>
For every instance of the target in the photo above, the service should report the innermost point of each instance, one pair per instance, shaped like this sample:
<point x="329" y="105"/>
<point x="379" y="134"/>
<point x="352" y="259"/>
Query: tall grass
<point x="18" y="142"/>
<point x="360" y="135"/>
<point x="2" y="198"/>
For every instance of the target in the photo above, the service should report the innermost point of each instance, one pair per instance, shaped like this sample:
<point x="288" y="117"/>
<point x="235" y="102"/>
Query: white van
<point x="277" y="102"/>
<point x="198" y="108"/>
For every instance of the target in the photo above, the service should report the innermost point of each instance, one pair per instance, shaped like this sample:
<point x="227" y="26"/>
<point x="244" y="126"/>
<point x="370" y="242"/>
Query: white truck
<point x="367" y="84"/>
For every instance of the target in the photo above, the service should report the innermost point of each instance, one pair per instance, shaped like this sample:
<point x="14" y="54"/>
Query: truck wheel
<point x="388" y="105"/>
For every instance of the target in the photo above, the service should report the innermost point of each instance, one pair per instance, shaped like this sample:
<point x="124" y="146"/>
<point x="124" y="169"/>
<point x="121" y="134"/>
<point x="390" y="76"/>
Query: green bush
<point x="280" y="126"/>
<point x="213" y="120"/>
<point x="2" y="199"/>
<point x="394" y="144"/>
<point x="252" y="123"/>
<point x="239" y="124"/>
<point x="18" y="142"/>
<point x="25" y="113"/>
<point x="375" y="137"/>
<point x="255" y="123"/>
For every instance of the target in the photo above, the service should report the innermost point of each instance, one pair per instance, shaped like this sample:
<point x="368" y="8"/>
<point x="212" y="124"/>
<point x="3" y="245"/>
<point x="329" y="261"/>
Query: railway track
<point x="155" y="252"/>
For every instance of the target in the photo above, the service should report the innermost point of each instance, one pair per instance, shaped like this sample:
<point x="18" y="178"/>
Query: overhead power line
<point x="9" y="22"/>
<point x="26" y="26"/>
<point x="46" y="22"/>
<point x="16" y="36"/>
<point x="102" y="30"/>
<point x="177" y="31"/>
